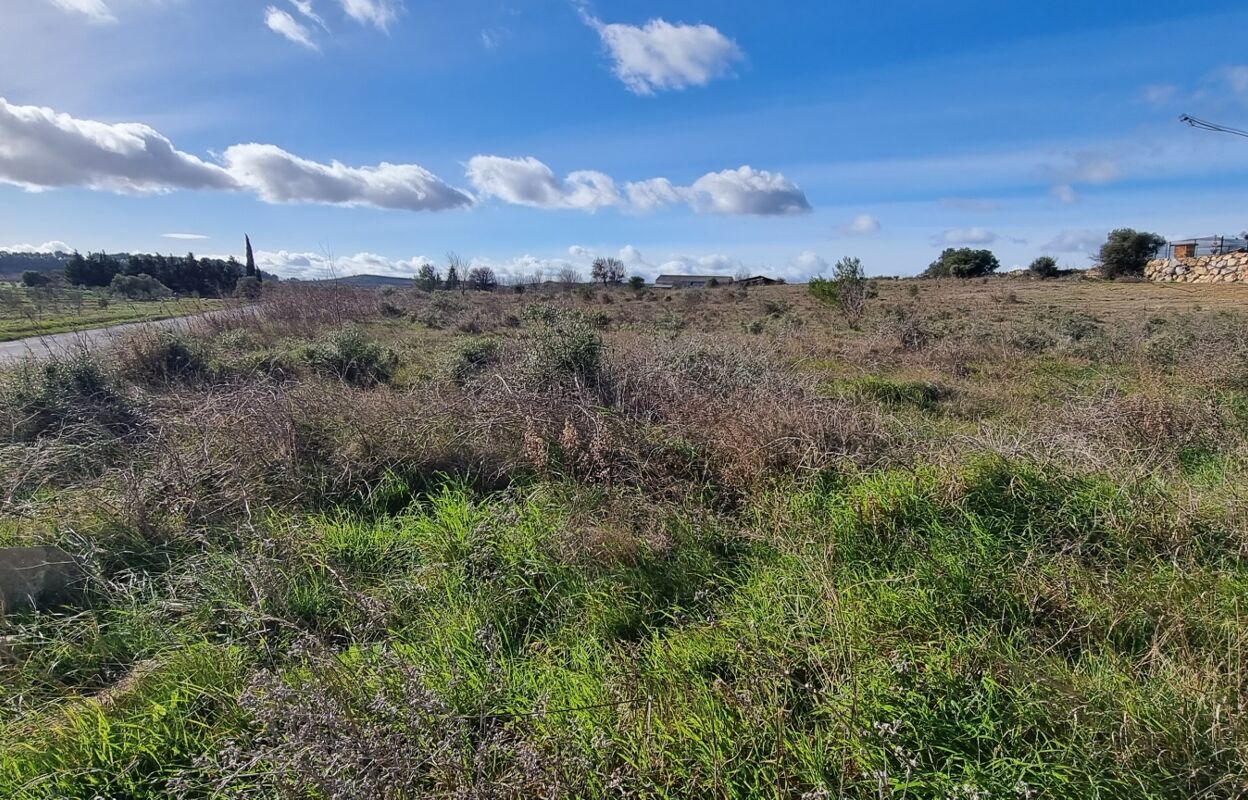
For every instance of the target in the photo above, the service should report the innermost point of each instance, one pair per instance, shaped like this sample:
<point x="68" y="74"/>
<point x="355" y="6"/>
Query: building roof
<point x="720" y="278"/>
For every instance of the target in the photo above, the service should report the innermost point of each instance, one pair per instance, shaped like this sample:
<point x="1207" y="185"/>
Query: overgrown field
<point x="40" y="311"/>
<point x="606" y="543"/>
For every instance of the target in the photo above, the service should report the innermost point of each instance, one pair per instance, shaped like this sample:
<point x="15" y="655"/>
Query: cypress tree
<point x="250" y="269"/>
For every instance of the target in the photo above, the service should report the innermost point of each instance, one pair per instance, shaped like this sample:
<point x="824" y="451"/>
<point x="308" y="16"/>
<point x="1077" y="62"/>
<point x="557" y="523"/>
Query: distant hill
<point x="12" y="265"/>
<point x="371" y="281"/>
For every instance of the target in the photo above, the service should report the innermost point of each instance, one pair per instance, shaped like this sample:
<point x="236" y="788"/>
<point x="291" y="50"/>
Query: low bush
<point x="350" y="356"/>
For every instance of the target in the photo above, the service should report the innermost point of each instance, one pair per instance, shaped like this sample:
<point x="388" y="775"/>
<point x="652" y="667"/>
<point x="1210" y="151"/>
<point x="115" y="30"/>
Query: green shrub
<point x="1044" y="267"/>
<point x="70" y="395"/>
<point x="162" y="357"/>
<point x="563" y="345"/>
<point x="471" y="357"/>
<point x="1126" y="251"/>
<point x="349" y="355"/>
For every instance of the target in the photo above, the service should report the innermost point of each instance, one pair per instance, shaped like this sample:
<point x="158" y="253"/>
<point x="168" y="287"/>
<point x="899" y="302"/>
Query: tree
<point x="637" y="282"/>
<point x="482" y="279"/>
<point x="963" y="262"/>
<point x="1044" y="267"/>
<point x="569" y="276"/>
<point x="247" y="288"/>
<point x="848" y="290"/>
<point x="1126" y="251"/>
<point x="454" y="272"/>
<point x="428" y="279"/>
<point x="31" y="278"/>
<point x="608" y="271"/>
<point x="250" y="271"/>
<point x="96" y="269"/>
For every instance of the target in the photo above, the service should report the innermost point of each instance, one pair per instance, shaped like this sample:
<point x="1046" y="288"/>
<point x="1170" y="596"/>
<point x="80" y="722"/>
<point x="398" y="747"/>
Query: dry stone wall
<point x="1224" y="268"/>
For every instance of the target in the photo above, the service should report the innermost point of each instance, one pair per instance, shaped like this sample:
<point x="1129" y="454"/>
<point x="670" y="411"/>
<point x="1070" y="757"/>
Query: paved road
<point x="62" y="343"/>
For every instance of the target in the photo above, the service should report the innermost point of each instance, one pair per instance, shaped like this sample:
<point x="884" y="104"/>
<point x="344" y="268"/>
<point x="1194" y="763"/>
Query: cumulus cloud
<point x="190" y="237"/>
<point x="965" y="236"/>
<point x="94" y="10"/>
<point x="47" y="247"/>
<point x="747" y="191"/>
<point x="576" y="251"/>
<point x="653" y="194"/>
<point x="380" y="13"/>
<point x="283" y="23"/>
<point x="811" y="263"/>
<point x="664" y="56"/>
<point x="41" y="149"/>
<point x="1075" y="241"/>
<point x="529" y="182"/>
<point x="281" y="177"/>
<point x="861" y="225"/>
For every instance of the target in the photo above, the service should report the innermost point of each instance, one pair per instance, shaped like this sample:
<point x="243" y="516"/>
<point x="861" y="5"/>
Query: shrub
<point x="472" y="357"/>
<point x="248" y="288"/>
<point x="1044" y="267"/>
<point x="1126" y="251"/>
<point x="33" y="278"/>
<point x="139" y="287"/>
<point x="63" y="396"/>
<point x="350" y="356"/>
<point x="162" y="357"/>
<point x="637" y="283"/>
<point x="563" y="345"/>
<point x="848" y="290"/>
<point x="963" y="262"/>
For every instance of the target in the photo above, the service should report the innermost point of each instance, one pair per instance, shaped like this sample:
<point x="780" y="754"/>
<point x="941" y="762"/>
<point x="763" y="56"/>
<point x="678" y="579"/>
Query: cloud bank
<point x="43" y="149"/>
<point x="529" y="182"/>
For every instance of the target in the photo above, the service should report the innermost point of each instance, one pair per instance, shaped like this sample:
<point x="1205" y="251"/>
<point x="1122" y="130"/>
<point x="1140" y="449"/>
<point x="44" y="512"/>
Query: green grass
<point x="987" y="628"/>
<point x="63" y="311"/>
<point x="1030" y="588"/>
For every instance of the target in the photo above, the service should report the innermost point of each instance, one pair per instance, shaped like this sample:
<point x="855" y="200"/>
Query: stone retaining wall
<point x="1224" y="268"/>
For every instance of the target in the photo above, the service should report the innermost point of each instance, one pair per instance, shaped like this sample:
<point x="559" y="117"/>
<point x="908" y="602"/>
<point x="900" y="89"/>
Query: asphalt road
<point x="61" y="343"/>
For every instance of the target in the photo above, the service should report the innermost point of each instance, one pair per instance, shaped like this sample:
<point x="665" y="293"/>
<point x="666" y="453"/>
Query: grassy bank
<point x="615" y="543"/>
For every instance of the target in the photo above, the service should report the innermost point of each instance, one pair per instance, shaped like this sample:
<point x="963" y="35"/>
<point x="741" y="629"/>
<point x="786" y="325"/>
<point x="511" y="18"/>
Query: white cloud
<point x="861" y="225"/>
<point x="190" y="237"/>
<point x="42" y="149"/>
<point x="492" y="38"/>
<point x="529" y="182"/>
<point x="653" y="194"/>
<point x="305" y="8"/>
<point x="46" y="247"/>
<point x="319" y="266"/>
<point x="811" y="263"/>
<point x="94" y="10"/>
<point x="1075" y="241"/>
<point x="576" y="251"/>
<point x="665" y="56"/>
<point x="281" y="177"/>
<point x="380" y="13"/>
<point x="281" y="22"/>
<point x="747" y="191"/>
<point x="965" y="236"/>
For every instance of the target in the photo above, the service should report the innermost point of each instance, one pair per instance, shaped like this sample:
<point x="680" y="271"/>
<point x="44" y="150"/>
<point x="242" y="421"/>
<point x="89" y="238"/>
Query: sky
<point x="706" y="136"/>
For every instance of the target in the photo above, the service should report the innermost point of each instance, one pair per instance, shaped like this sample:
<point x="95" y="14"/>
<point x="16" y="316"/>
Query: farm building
<point x="691" y="281"/>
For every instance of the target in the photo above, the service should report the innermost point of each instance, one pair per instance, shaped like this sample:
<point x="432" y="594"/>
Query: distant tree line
<point x="183" y="275"/>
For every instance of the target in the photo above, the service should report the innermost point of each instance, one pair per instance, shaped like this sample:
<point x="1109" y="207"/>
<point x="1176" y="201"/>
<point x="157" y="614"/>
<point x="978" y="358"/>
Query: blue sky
<point x="368" y="135"/>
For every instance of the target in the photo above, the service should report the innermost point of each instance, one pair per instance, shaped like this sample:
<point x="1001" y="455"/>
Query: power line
<point x="1211" y="126"/>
